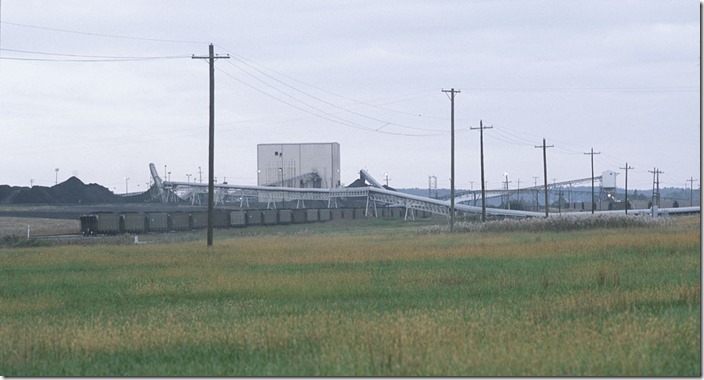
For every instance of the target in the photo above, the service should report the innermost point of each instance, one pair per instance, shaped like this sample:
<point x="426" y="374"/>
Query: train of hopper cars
<point x="113" y="223"/>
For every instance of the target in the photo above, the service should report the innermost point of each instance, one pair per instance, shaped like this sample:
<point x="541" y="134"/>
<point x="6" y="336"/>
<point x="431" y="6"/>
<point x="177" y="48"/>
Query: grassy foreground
<point x="617" y="302"/>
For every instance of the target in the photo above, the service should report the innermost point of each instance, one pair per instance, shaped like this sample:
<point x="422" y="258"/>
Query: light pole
<point x="281" y="154"/>
<point x="56" y="181"/>
<point x="169" y="177"/>
<point x="127" y="179"/>
<point x="282" y="185"/>
<point x="188" y="178"/>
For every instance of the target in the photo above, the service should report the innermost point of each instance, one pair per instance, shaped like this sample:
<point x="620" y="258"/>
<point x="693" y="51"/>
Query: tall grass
<point x="603" y="302"/>
<point x="555" y="224"/>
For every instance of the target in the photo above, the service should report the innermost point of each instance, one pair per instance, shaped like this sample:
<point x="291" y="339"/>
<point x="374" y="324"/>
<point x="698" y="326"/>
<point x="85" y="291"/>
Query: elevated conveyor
<point x="159" y="185"/>
<point x="374" y="195"/>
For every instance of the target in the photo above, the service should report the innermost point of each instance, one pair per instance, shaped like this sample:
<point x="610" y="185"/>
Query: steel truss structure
<point x="190" y="191"/>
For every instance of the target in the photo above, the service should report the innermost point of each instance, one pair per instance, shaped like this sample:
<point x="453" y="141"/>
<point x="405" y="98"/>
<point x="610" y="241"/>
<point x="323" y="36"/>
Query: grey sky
<point x="619" y="76"/>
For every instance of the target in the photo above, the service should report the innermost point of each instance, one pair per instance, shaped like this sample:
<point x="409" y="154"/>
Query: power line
<point x="317" y="98"/>
<point x="515" y="138"/>
<point x="90" y="59"/>
<point x="586" y="89"/>
<point x="104" y="35"/>
<point x="330" y="117"/>
<point x="94" y="56"/>
<point x="300" y="101"/>
<point x="345" y="123"/>
<point x="323" y="100"/>
<point x="247" y="62"/>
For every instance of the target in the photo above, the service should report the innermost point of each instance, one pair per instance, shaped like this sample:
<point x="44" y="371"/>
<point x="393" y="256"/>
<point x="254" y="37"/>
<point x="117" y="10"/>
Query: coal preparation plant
<point x="307" y="165"/>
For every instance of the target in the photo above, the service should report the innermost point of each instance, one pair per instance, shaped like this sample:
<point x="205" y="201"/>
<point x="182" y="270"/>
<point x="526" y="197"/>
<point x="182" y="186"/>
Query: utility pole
<point x="545" y="173"/>
<point x="518" y="191"/>
<point x="656" y="185"/>
<point x="652" y="195"/>
<point x="481" y="159"/>
<point x="592" y="153"/>
<point x="626" y="169"/>
<point x="452" y="92"/>
<point x="508" y="194"/>
<point x="691" y="190"/>
<point x="535" y="185"/>
<point x="211" y="141"/>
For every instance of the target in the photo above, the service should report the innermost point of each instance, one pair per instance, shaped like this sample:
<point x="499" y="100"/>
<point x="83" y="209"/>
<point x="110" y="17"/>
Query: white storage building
<point x="306" y="165"/>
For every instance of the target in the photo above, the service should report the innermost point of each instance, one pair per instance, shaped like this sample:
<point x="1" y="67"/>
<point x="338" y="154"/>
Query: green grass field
<point x="373" y="298"/>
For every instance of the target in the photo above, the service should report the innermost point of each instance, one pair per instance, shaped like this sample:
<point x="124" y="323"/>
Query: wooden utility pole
<point x="656" y="185"/>
<point x="211" y="141"/>
<point x="508" y="192"/>
<point x="545" y="173"/>
<point x="452" y="92"/>
<point x="481" y="159"/>
<point x="691" y="190"/>
<point x="626" y="168"/>
<point x="535" y="185"/>
<point x="592" y="153"/>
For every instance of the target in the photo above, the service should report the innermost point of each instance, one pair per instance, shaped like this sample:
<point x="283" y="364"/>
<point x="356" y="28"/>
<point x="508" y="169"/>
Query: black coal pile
<point x="71" y="191"/>
<point x="358" y="183"/>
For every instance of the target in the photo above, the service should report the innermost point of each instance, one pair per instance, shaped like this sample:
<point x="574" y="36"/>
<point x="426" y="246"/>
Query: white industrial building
<point x="608" y="184"/>
<point x="307" y="165"/>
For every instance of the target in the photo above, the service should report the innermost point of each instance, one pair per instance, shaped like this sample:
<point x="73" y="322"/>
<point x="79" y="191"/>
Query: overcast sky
<point x="621" y="77"/>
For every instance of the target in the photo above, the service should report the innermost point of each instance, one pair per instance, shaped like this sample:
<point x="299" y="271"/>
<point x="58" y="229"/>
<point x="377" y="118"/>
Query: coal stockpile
<point x="71" y="191"/>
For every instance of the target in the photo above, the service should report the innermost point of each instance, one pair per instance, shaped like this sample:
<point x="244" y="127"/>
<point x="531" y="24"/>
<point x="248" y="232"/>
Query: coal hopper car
<point x="104" y="223"/>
